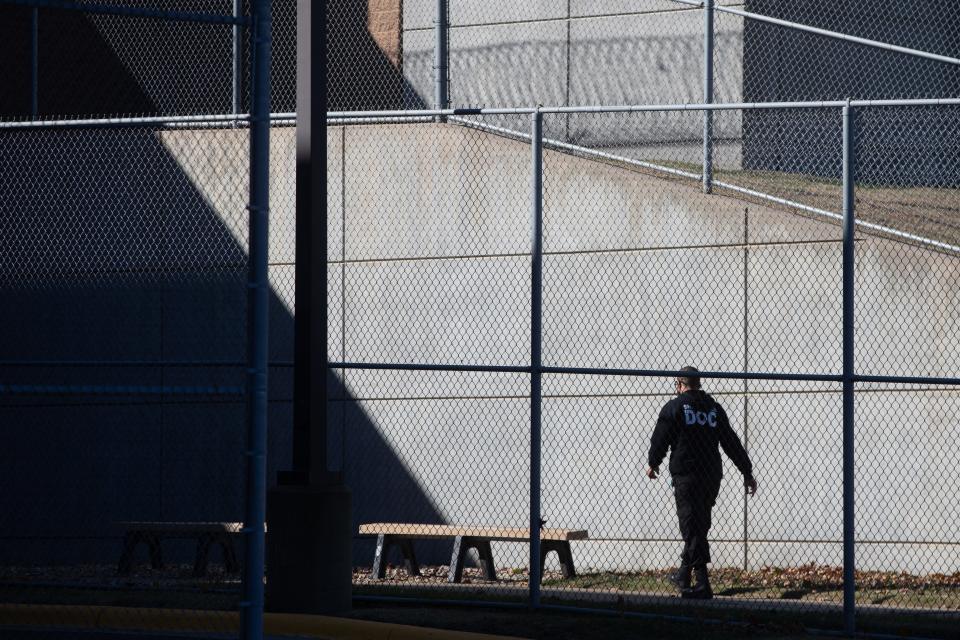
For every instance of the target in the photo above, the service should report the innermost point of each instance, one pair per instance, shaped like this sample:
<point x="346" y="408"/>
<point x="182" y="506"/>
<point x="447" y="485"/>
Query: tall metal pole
<point x="849" y="584"/>
<point x="34" y="61"/>
<point x="440" y="93"/>
<point x="251" y="607"/>
<point x="708" y="95"/>
<point x="237" y="68"/>
<point x="536" y="359"/>
<point x="310" y="371"/>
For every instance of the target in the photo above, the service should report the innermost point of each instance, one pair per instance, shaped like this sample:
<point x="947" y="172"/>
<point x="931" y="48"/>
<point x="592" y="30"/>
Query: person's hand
<point x="750" y="484"/>
<point x="653" y="472"/>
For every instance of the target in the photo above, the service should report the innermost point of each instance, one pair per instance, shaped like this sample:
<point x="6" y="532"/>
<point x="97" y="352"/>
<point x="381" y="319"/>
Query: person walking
<point x="692" y="426"/>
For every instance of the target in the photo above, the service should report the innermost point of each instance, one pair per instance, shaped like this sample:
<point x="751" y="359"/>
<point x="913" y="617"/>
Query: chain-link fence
<point x="144" y="58"/>
<point x="498" y="371"/>
<point x="387" y="54"/>
<point x="392" y="54"/>
<point x="129" y="263"/>
<point x="501" y="366"/>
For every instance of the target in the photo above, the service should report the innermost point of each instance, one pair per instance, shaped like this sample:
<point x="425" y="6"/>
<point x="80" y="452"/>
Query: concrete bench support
<point x="131" y="540"/>
<point x="564" y="555"/>
<point x="462" y="544"/>
<point x="206" y="534"/>
<point x="384" y="542"/>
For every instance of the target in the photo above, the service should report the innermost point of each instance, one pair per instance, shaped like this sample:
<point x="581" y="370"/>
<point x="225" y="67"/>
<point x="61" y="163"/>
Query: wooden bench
<point x="465" y="538"/>
<point x="205" y="533"/>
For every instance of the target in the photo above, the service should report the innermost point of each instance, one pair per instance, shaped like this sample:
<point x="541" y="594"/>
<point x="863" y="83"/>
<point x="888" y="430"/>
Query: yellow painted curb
<point x="186" y="620"/>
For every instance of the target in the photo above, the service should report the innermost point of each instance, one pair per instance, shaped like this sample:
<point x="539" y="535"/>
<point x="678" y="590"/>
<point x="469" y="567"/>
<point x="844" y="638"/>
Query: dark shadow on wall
<point x="122" y="245"/>
<point x="360" y="76"/>
<point x="78" y="73"/>
<point x="120" y="65"/>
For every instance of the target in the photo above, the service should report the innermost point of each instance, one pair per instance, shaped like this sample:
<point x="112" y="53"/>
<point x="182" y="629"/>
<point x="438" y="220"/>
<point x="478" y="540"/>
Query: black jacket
<point x="692" y="425"/>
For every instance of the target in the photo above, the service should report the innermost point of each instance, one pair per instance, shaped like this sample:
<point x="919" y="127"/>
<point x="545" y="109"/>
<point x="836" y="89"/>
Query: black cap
<point x="691" y="381"/>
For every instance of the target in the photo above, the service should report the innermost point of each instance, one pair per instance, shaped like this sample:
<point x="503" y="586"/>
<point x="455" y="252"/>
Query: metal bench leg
<point x="130" y="542"/>
<point x="203" y="551"/>
<point x="563" y="555"/>
<point x="229" y="555"/>
<point x="409" y="557"/>
<point x="380" y="558"/>
<point x="486" y="558"/>
<point x="156" y="558"/>
<point x="566" y="560"/>
<point x="456" y="559"/>
<point x="544" y="550"/>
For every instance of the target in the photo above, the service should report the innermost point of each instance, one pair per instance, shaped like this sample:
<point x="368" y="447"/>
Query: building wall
<point x="786" y="65"/>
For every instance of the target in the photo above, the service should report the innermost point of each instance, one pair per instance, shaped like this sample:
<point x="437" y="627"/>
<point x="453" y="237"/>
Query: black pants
<point x="695" y="499"/>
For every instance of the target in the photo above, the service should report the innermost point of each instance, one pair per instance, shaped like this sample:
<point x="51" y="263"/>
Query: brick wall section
<point x="385" y="23"/>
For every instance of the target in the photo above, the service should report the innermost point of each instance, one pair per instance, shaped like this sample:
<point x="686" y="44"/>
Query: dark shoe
<point x="699" y="592"/>
<point x="703" y="590"/>
<point x="681" y="579"/>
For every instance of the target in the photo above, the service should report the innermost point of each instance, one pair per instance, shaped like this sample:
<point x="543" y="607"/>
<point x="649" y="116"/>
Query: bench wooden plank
<point x="437" y="531"/>
<point x="182" y="527"/>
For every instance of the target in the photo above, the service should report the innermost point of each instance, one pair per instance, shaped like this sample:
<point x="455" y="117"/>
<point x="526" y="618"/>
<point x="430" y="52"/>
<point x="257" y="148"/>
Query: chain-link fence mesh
<point x="123" y="280"/>
<point x="783" y="63"/>
<point x="383" y="53"/>
<point x="123" y="277"/>
<point x="644" y="271"/>
<point x="128" y="246"/>
<point x="906" y="325"/>
<point x="103" y="63"/>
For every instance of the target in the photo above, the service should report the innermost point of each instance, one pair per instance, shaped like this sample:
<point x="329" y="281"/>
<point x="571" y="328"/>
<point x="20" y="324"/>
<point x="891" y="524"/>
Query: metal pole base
<point x="309" y="549"/>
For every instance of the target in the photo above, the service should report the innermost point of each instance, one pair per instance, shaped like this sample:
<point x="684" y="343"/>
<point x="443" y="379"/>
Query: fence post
<point x="237" y="69"/>
<point x="536" y="361"/>
<point x="251" y="606"/>
<point x="849" y="583"/>
<point x="707" y="95"/>
<point x="440" y="97"/>
<point x="34" y="61"/>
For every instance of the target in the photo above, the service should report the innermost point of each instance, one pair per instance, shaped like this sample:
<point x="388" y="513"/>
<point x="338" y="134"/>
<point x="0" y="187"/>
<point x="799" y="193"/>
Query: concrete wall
<point x="128" y="245"/>
<point x="428" y="234"/>
<point x="640" y="272"/>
